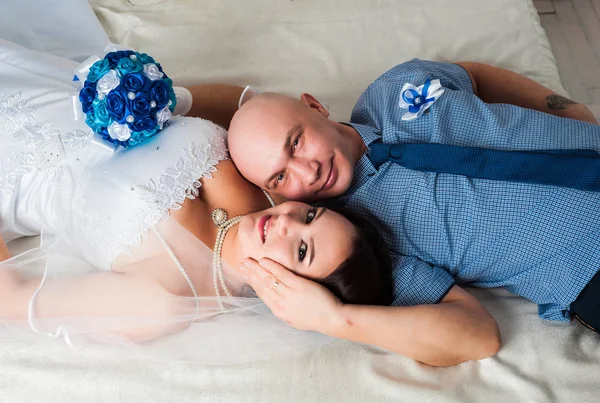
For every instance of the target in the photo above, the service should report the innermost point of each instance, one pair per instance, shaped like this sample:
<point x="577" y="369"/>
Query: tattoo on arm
<point x="557" y="102"/>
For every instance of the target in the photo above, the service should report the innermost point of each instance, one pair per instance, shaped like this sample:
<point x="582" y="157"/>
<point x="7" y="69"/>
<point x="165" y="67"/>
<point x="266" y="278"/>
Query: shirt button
<point x="371" y="174"/>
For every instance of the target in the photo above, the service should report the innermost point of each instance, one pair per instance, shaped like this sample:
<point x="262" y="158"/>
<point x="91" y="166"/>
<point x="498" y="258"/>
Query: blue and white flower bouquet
<point x="126" y="97"/>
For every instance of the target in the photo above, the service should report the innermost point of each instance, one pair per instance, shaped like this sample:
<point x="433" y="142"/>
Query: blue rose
<point x="90" y="120"/>
<point x="116" y="106"/>
<point x="160" y="93"/>
<point x="101" y="115"/>
<point x="143" y="124"/>
<point x="87" y="95"/>
<point x="103" y="132"/>
<point x="135" y="82"/>
<point x="146" y="134"/>
<point x="128" y="65"/>
<point x="98" y="69"/>
<point x="144" y="58"/>
<point x="114" y="57"/>
<point x="140" y="106"/>
<point x="140" y="137"/>
<point x="134" y="142"/>
<point x="172" y="96"/>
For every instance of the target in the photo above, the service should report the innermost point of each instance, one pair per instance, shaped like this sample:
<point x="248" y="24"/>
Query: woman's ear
<point x="312" y="102"/>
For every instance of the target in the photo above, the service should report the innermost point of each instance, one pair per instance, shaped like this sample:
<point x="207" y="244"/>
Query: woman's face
<point x="310" y="241"/>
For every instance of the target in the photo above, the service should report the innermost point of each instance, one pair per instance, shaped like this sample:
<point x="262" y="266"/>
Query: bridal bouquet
<point x="127" y="98"/>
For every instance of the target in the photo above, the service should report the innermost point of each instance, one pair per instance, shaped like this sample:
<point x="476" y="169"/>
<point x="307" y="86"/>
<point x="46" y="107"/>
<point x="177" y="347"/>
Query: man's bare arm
<point x="457" y="329"/>
<point x="215" y="102"/>
<point x="497" y="85"/>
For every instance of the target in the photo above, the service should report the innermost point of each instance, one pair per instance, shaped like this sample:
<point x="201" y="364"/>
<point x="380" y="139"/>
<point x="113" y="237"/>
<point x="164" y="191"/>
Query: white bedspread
<point x="333" y="49"/>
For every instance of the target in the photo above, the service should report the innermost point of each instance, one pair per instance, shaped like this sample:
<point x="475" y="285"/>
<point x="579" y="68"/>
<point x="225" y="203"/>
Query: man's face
<point x="290" y="148"/>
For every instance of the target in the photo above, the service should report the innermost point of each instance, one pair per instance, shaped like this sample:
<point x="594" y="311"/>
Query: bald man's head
<point x="290" y="147"/>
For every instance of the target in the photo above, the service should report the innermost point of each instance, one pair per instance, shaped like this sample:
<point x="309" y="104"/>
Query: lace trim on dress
<point x="13" y="166"/>
<point x="17" y="123"/>
<point x="182" y="182"/>
<point x="14" y="113"/>
<point x="161" y="194"/>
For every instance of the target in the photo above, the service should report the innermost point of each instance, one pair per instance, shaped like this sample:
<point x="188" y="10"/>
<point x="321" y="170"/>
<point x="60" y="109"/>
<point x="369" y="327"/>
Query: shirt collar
<point x="364" y="169"/>
<point x="369" y="134"/>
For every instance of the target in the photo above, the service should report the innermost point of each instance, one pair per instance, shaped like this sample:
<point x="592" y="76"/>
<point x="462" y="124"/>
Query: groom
<point x="539" y="241"/>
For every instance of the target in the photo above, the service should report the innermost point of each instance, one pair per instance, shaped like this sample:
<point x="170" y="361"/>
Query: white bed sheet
<point x="333" y="49"/>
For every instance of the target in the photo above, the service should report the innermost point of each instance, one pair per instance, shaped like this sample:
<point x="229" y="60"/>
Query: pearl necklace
<point x="219" y="217"/>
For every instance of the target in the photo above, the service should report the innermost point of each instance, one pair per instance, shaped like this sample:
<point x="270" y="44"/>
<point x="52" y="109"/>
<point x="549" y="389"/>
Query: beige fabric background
<point x="331" y="48"/>
<point x="334" y="49"/>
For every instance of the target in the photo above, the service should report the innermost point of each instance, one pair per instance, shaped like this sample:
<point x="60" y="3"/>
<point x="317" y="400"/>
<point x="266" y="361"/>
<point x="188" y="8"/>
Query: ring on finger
<point x="275" y="285"/>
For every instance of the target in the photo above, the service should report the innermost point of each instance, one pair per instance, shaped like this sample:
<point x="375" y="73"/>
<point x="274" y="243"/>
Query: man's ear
<point x="312" y="102"/>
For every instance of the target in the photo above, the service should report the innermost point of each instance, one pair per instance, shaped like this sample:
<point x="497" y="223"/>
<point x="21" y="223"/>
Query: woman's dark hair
<point x="365" y="277"/>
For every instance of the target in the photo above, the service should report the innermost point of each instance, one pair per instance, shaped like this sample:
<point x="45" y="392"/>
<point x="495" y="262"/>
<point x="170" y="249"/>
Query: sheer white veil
<point x="242" y="330"/>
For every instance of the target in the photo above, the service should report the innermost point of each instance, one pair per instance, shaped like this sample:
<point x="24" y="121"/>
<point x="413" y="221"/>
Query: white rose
<point x="152" y="72"/>
<point x="108" y="82"/>
<point x="162" y="116"/>
<point x="119" y="132"/>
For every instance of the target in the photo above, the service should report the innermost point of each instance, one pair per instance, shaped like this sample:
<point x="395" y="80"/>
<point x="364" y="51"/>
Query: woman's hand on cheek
<point x="304" y="304"/>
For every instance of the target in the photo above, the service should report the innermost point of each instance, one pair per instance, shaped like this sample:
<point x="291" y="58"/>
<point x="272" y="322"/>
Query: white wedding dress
<point x="96" y="210"/>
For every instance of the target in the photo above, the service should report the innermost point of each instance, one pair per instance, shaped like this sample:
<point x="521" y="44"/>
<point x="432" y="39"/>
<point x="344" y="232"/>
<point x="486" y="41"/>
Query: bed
<point x="332" y="49"/>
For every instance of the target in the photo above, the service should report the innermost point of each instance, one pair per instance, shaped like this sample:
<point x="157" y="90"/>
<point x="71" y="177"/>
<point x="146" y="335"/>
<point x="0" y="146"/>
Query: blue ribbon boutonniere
<point x="418" y="100"/>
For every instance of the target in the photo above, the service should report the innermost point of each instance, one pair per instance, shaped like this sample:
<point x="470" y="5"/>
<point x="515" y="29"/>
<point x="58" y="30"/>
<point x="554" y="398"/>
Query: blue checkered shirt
<point x="540" y="242"/>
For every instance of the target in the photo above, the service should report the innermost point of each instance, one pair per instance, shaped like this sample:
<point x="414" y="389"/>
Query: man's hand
<point x="302" y="303"/>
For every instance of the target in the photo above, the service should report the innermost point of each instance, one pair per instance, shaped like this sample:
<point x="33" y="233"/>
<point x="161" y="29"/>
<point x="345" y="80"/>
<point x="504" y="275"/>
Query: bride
<point x="146" y="242"/>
